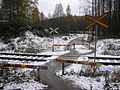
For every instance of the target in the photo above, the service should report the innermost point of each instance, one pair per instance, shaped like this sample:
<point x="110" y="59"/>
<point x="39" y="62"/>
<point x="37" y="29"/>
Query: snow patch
<point x="32" y="85"/>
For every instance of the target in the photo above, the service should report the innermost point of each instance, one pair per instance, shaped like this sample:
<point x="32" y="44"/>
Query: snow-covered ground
<point x="31" y="43"/>
<point x="82" y="49"/>
<point x="81" y="76"/>
<point x="108" y="47"/>
<point x="31" y="85"/>
<point x="43" y="45"/>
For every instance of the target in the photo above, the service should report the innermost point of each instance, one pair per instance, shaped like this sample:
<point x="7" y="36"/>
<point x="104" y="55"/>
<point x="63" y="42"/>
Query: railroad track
<point x="23" y="57"/>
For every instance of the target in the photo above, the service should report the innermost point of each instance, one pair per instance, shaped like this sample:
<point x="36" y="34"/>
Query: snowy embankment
<point x="31" y="85"/>
<point x="82" y="75"/>
<point x="29" y="43"/>
<point x="82" y="49"/>
<point x="108" y="47"/>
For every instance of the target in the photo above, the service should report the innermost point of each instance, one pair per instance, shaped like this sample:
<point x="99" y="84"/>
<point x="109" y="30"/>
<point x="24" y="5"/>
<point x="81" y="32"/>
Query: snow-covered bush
<point x="13" y="78"/>
<point x="9" y="75"/>
<point x="65" y="38"/>
<point x="115" y="76"/>
<point x="29" y="43"/>
<point x="109" y="47"/>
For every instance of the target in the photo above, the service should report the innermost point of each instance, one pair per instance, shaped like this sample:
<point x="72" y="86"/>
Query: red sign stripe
<point x="27" y="66"/>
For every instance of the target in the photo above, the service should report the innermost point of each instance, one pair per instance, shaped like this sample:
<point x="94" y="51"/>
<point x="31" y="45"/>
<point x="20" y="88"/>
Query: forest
<point x="113" y="20"/>
<point x="18" y="16"/>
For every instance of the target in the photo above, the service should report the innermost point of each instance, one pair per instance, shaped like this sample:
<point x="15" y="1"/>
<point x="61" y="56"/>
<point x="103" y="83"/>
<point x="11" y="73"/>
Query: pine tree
<point x="20" y="14"/>
<point x="68" y="10"/>
<point x="17" y="11"/>
<point x="58" y="12"/>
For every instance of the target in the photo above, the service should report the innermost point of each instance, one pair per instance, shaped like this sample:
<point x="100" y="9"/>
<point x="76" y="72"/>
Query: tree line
<point x="22" y="15"/>
<point x="17" y="16"/>
<point x="71" y="23"/>
<point x="66" y="22"/>
<point x="113" y="20"/>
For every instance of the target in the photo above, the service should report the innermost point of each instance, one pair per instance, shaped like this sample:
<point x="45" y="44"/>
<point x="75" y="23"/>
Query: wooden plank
<point x="111" y="58"/>
<point x="59" y="45"/>
<point x="77" y="62"/>
<point x="15" y="89"/>
<point x="87" y="62"/>
<point x="109" y="63"/>
<point x="26" y="66"/>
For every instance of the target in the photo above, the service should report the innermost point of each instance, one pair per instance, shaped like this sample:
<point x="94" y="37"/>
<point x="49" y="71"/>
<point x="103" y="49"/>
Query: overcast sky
<point x="48" y="6"/>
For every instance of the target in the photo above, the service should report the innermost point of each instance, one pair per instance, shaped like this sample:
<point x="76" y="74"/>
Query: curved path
<point x="55" y="82"/>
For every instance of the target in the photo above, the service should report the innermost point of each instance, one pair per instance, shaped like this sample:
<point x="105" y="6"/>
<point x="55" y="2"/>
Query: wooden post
<point x="62" y="67"/>
<point x="91" y="87"/>
<point x="37" y="74"/>
<point x="2" y="63"/>
<point x="53" y="44"/>
<point x="68" y="47"/>
<point x="73" y="45"/>
<point x="2" y="74"/>
<point x="89" y="45"/>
